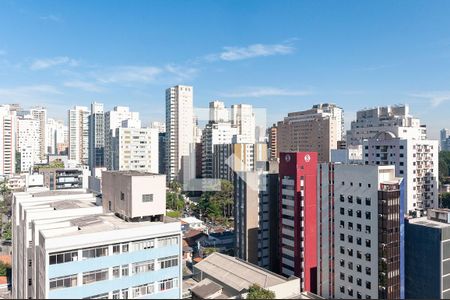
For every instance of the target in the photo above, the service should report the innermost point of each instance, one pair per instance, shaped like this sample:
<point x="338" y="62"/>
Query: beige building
<point x="134" y="195"/>
<point x="273" y="145"/>
<point x="318" y="129"/>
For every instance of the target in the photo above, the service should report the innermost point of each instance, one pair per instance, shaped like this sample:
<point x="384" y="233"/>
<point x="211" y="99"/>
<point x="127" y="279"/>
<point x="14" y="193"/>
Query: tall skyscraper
<point x="396" y="119"/>
<point x="318" y="129"/>
<point x="7" y="140"/>
<point x="40" y="113"/>
<point x="179" y="129"/>
<point x="96" y="137"/>
<point x="415" y="160"/>
<point x="217" y="112"/>
<point x="243" y="118"/>
<point x="113" y="120"/>
<point x="273" y="146"/>
<point x="445" y="139"/>
<point x="28" y="142"/>
<point x="298" y="215"/>
<point x="360" y="232"/>
<point x="78" y="118"/>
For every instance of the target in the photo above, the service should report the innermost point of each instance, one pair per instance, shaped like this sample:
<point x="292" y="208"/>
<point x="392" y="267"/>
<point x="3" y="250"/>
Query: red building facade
<point x="298" y="217"/>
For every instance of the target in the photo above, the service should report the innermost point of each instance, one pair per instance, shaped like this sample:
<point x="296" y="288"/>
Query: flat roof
<point x="236" y="273"/>
<point x="133" y="173"/>
<point x="424" y="221"/>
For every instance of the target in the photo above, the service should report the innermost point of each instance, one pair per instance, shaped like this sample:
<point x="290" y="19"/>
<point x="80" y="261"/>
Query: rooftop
<point x="424" y="221"/>
<point x="133" y="173"/>
<point x="236" y="273"/>
<point x="206" y="288"/>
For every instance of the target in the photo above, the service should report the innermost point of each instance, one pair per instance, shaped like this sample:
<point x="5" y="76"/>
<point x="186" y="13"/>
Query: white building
<point x="214" y="134"/>
<point x="161" y="126"/>
<point x="217" y="112"/>
<point x="7" y="140"/>
<point x="350" y="155"/>
<point x="358" y="249"/>
<point x="40" y="114"/>
<point x="396" y="119"/>
<point x="96" y="137"/>
<point x="179" y="129"/>
<point x="243" y="118"/>
<point x="415" y="160"/>
<point x="78" y="118"/>
<point x="65" y="246"/>
<point x="113" y="120"/>
<point x="28" y="142"/>
<point x="136" y="148"/>
<point x="56" y="134"/>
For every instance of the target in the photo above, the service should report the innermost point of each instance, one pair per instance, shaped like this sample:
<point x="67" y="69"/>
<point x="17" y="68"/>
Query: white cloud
<point x="51" y="17"/>
<point x="181" y="73"/>
<point x="83" y="85"/>
<point x="27" y="94"/>
<point x="256" y="92"/>
<point x="46" y="63"/>
<point x="251" y="51"/>
<point x="127" y="74"/>
<point x="435" y="98"/>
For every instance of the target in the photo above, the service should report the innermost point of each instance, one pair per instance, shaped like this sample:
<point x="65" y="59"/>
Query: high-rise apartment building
<point x="318" y="129"/>
<point x="396" y="119"/>
<point x="7" y="140"/>
<point x="179" y="129"/>
<point x="65" y="246"/>
<point x="113" y="120"/>
<point x="445" y="139"/>
<point x="217" y="112"/>
<point x="56" y="135"/>
<point x="40" y="114"/>
<point x="273" y="145"/>
<point x="243" y="117"/>
<point x="256" y="218"/>
<point x="136" y="149"/>
<point x="415" y="160"/>
<point x="427" y="264"/>
<point x="214" y="134"/>
<point x="297" y="218"/>
<point x="360" y="232"/>
<point x="78" y="118"/>
<point x="28" y="142"/>
<point x="96" y="137"/>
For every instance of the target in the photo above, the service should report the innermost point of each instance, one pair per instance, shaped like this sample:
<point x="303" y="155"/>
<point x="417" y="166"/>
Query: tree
<point x="4" y="268"/>
<point x="444" y="165"/>
<point x="257" y="292"/>
<point x="445" y="200"/>
<point x="217" y="204"/>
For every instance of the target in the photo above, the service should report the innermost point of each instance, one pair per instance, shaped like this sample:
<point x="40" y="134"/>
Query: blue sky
<point x="280" y="55"/>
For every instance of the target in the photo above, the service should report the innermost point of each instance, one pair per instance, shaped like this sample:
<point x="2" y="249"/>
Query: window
<point x="358" y="241"/>
<point x="342" y="249"/>
<point x="342" y="289"/>
<point x="350" y="225"/>
<point x="368" y="285"/>
<point x="63" y="282"/>
<point x="350" y="199"/>
<point x="368" y="200"/>
<point x="358" y="254"/>
<point x="342" y="198"/>
<point x="167" y="241"/>
<point x="168" y="262"/>
<point x="350" y="252"/>
<point x="350" y="238"/>
<point x="368" y="243"/>
<point x="147" y="198"/>
<point x="30" y="282"/>
<point x="342" y="276"/>
<point x="63" y="257"/>
<point x="350" y="292"/>
<point x="116" y="294"/>
<point x="342" y="263"/>
<point x="342" y="224"/>
<point x="95" y="252"/>
<point x="350" y="212"/>
<point x="368" y="257"/>
<point x="350" y="265"/>
<point x="141" y="245"/>
<point x="29" y="262"/>
<point x="358" y="295"/>
<point x="358" y="214"/>
<point x="168" y="284"/>
<point x="143" y="266"/>
<point x="358" y="200"/>
<point x="124" y="248"/>
<point x="358" y="227"/>
<point x="368" y="215"/>
<point x="350" y="278"/>
<point x="368" y="271"/>
<point x="144" y="289"/>
<point x="122" y="196"/>
<point x="116" y="249"/>
<point x="342" y="237"/>
<point x="116" y="272"/>
<point x="367" y="229"/>
<point x="125" y="294"/>
<point x="94" y="276"/>
<point x="342" y="211"/>
<point x="125" y="270"/>
<point x="359" y="269"/>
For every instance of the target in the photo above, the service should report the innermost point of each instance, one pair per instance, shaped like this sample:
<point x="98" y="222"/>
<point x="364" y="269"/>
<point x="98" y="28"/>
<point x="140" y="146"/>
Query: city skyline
<point x="64" y="54"/>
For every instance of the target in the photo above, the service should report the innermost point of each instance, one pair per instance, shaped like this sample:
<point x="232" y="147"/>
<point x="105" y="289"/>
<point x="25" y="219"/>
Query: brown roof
<point x="198" y="259"/>
<point x="191" y="233"/>
<point x="6" y="259"/>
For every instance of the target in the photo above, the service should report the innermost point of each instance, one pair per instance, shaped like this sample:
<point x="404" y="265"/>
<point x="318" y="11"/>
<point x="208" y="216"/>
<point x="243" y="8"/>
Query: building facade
<point x="318" y="129"/>
<point x="243" y="118"/>
<point x="445" y="139"/>
<point x="79" y="134"/>
<point x="179" y="129"/>
<point x="40" y="114"/>
<point x="96" y="137"/>
<point x="28" y="142"/>
<point x="415" y="160"/>
<point x="297" y="217"/>
<point x="396" y="119"/>
<point x="8" y="141"/>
